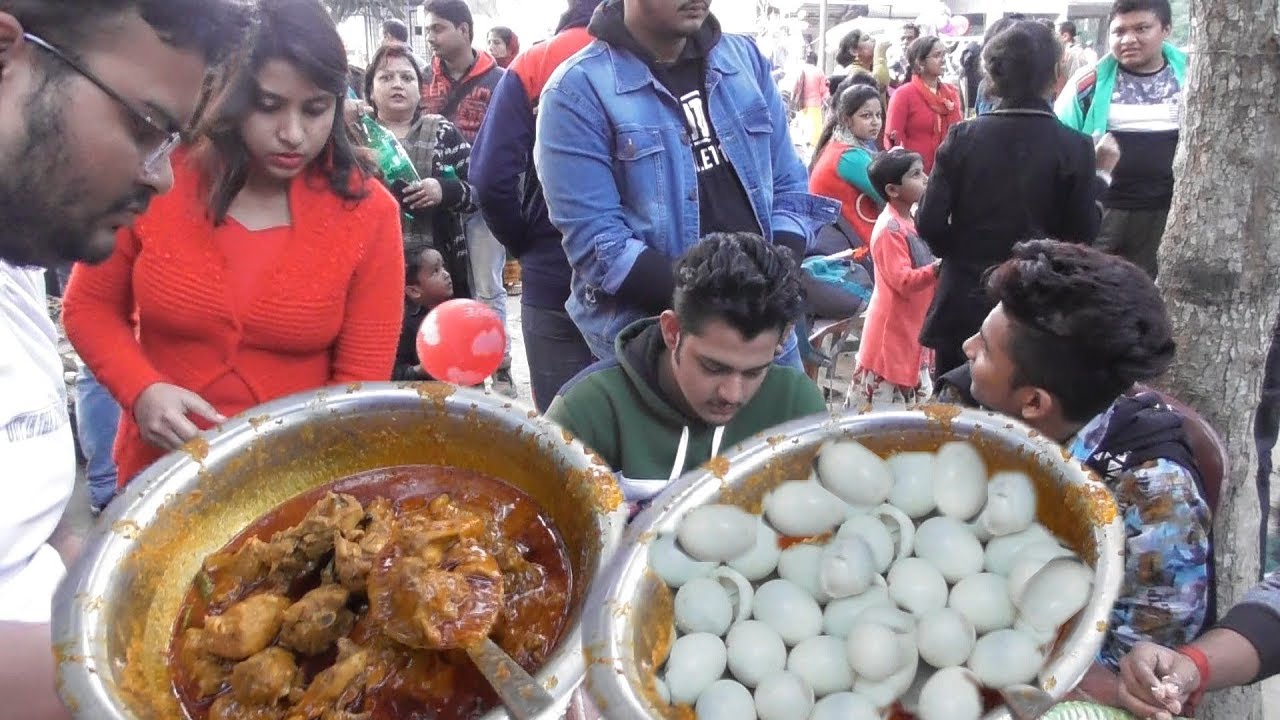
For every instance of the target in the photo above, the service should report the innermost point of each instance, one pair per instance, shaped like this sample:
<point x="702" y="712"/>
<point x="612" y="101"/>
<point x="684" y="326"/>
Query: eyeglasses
<point x="171" y="138"/>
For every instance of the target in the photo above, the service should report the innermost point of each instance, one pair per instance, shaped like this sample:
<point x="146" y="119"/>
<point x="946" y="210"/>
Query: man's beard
<point x="42" y="194"/>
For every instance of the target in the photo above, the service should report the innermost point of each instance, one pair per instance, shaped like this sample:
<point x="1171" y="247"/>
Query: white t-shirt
<point x="37" y="454"/>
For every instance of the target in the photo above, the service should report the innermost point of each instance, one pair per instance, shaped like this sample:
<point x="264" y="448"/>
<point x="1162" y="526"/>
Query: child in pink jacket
<point x="893" y="368"/>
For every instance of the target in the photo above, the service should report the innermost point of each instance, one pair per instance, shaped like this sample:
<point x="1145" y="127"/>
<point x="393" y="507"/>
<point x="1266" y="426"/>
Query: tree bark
<point x="1220" y="267"/>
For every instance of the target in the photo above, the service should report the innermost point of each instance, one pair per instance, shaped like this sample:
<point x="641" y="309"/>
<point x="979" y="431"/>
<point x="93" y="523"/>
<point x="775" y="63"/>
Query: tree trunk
<point x="1220" y="266"/>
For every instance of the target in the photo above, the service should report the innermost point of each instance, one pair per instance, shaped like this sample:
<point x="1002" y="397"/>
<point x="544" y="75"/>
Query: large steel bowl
<point x="627" y="630"/>
<point x="114" y="616"/>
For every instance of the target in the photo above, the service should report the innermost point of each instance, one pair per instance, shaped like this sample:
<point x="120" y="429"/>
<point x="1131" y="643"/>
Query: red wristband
<point x="1197" y="656"/>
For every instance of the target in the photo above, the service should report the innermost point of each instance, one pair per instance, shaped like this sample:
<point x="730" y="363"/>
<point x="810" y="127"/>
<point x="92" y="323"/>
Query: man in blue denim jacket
<point x="661" y="131"/>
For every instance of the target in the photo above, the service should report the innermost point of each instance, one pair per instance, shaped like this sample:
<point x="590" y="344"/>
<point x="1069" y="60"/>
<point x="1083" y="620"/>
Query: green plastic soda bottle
<point x="396" y="166"/>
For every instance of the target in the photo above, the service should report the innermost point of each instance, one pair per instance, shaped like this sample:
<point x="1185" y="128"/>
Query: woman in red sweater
<point x="921" y="112"/>
<point x="275" y="265"/>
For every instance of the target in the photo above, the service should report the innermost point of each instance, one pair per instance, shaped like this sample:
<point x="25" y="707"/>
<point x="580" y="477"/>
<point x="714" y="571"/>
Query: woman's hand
<point x="161" y="413"/>
<point x="1108" y="153"/>
<point x="1155" y="681"/>
<point x="352" y="109"/>
<point x="424" y="194"/>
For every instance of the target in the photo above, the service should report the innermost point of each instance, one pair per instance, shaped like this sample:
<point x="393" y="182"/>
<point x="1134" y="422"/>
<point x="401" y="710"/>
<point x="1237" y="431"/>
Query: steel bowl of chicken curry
<point x="330" y="555"/>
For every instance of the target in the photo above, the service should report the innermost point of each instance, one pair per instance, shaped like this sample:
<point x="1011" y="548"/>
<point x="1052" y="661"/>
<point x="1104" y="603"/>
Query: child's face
<point x="912" y="187"/>
<point x="865" y="122"/>
<point x="433" y="284"/>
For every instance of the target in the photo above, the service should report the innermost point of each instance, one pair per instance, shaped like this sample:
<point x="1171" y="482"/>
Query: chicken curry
<point x="355" y="601"/>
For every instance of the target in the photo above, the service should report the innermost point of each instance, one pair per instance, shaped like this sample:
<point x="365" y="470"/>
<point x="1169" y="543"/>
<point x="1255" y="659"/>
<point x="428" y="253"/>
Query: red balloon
<point x="461" y="342"/>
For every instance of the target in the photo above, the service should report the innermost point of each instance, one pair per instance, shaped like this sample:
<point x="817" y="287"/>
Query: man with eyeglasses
<point x="1134" y="93"/>
<point x="93" y="96"/>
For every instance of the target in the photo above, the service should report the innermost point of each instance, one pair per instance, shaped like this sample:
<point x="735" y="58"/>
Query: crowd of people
<point x="235" y="241"/>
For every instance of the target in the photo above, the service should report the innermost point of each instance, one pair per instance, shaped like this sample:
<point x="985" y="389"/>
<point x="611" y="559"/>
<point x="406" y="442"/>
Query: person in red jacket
<point x="921" y="112"/>
<point x="274" y="266"/>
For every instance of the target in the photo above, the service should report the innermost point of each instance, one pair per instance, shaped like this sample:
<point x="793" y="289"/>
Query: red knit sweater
<point x="326" y="310"/>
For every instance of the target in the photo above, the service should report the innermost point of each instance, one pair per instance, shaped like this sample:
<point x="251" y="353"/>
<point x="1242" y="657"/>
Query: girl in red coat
<point x="921" y="112"/>
<point x="892" y="365"/>
<point x="274" y="266"/>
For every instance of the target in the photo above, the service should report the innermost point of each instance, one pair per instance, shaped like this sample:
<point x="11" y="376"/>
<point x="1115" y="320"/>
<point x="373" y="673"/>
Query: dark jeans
<point x="555" y="350"/>
<point x="1133" y="235"/>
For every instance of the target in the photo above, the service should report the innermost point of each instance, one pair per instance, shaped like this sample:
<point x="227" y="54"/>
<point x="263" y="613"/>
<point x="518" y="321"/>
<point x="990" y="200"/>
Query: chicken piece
<point x="227" y="707"/>
<point x="291" y="554"/>
<point x="428" y="604"/>
<point x="435" y="586"/>
<point x="355" y="551"/>
<point x="315" y="622"/>
<point x="342" y="684"/>
<point x="207" y="672"/>
<point x="247" y="627"/>
<point x="300" y="549"/>
<point x="265" y="678"/>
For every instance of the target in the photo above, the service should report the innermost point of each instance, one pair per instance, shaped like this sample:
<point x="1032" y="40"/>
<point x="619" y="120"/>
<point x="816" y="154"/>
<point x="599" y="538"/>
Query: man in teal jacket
<point x="1135" y="93"/>
<point x="698" y="378"/>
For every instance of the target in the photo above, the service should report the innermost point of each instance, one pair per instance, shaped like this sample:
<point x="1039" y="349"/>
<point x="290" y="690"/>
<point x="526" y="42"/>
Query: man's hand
<point x="1155" y="681"/>
<point x="424" y="194"/>
<point x="1108" y="153"/>
<point x="161" y="413"/>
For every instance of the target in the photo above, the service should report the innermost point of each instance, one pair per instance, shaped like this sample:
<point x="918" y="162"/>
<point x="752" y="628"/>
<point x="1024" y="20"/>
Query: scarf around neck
<point x="939" y="102"/>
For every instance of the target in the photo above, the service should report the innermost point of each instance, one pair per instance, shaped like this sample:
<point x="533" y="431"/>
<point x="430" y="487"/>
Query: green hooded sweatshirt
<point x="1085" y="102"/>
<point x="617" y="409"/>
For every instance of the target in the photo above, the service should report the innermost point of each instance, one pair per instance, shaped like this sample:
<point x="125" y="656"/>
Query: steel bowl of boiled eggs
<point x="907" y="564"/>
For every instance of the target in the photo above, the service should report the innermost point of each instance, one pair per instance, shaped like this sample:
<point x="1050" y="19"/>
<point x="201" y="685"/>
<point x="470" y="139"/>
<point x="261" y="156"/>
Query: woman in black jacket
<point x="1012" y="175"/>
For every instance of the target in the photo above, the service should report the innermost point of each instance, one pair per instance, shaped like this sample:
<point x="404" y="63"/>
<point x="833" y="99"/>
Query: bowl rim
<point x="607" y="637"/>
<point x="83" y="662"/>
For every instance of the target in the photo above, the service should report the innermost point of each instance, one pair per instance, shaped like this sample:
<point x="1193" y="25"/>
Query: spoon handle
<point x="522" y="696"/>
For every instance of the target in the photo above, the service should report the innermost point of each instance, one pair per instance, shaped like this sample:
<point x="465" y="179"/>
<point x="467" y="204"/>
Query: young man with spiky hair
<point x="701" y="376"/>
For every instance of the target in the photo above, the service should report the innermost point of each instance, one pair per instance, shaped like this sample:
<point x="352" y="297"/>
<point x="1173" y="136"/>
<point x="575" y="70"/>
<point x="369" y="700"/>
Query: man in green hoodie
<point x="1135" y="93"/>
<point x="699" y="377"/>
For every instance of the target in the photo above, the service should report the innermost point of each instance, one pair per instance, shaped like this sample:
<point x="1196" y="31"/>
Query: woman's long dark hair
<point x="919" y="51"/>
<point x="848" y="49"/>
<point x="849" y="101"/>
<point x="385" y="53"/>
<point x="301" y="33"/>
<point x="1021" y="63"/>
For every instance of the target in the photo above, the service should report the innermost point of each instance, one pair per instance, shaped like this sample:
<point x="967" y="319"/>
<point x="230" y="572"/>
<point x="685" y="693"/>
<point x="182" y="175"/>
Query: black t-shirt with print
<point x="1145" y="116"/>
<point x="723" y="204"/>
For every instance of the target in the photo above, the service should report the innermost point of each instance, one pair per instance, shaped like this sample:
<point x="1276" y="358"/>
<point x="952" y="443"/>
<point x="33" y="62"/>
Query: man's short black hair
<point x="1159" y="7"/>
<point x="214" y="28"/>
<point x="890" y="167"/>
<point x="1085" y="325"/>
<point x="1067" y="27"/>
<point x="455" y="11"/>
<point x="395" y="30"/>
<point x="741" y="279"/>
